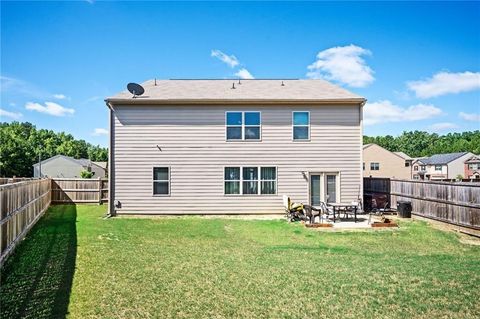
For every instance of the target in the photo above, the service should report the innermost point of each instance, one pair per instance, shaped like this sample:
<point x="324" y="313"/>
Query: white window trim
<point x="303" y="125"/>
<point x="161" y="180"/>
<point x="372" y="166"/>
<point x="258" y="180"/>
<point x="243" y="126"/>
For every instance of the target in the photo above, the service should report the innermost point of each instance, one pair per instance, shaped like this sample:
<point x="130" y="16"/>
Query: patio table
<point x="337" y="206"/>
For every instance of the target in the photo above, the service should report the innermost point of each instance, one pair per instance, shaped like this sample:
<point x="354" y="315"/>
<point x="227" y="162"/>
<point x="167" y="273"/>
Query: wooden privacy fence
<point x="454" y="203"/>
<point x="21" y="206"/>
<point x="23" y="203"/>
<point x="77" y="190"/>
<point x="9" y="180"/>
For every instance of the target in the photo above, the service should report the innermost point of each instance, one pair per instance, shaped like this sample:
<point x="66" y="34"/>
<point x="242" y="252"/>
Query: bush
<point x="86" y="174"/>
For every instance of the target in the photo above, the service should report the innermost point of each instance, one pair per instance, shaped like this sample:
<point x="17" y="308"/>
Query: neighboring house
<point x="225" y="147"/>
<point x="379" y="162"/>
<point x="68" y="167"/>
<point x="440" y="166"/>
<point x="472" y="167"/>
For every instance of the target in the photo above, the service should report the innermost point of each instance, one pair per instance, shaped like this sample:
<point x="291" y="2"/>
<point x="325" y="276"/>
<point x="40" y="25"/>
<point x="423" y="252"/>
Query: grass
<point x="76" y="264"/>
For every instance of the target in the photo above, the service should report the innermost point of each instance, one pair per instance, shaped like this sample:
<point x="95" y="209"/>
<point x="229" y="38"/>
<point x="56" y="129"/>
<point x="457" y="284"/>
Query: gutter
<point x="111" y="174"/>
<point x="145" y="100"/>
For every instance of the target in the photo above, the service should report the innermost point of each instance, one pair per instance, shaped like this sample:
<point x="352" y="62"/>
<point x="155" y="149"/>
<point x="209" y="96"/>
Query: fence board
<point x="21" y="205"/>
<point x="76" y="190"/>
<point x="454" y="203"/>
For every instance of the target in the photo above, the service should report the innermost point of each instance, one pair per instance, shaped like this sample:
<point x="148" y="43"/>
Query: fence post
<point x="99" y="191"/>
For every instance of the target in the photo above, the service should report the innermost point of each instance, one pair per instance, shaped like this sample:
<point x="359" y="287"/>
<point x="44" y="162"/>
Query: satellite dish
<point x="135" y="89"/>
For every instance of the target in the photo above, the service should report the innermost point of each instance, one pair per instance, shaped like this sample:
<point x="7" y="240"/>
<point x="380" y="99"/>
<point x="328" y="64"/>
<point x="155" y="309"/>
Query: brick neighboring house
<point x="380" y="162"/>
<point x="472" y="167"/>
<point x="440" y="166"/>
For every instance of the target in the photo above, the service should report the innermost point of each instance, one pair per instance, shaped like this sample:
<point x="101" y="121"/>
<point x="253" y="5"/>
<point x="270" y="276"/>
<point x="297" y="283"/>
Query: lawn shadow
<point x="36" y="280"/>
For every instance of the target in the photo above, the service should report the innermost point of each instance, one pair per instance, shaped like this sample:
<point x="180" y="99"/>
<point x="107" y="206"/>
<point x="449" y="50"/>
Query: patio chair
<point x="325" y="211"/>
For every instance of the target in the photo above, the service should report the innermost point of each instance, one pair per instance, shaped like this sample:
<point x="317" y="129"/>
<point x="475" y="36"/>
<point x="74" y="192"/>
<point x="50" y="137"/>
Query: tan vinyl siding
<point x="391" y="164"/>
<point x="193" y="146"/>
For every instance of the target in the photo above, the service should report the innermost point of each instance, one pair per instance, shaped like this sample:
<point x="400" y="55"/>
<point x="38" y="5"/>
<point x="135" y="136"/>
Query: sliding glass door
<point x="324" y="187"/>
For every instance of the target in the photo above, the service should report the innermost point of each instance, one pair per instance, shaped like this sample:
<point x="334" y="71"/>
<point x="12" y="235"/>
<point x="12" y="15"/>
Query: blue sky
<point x="418" y="64"/>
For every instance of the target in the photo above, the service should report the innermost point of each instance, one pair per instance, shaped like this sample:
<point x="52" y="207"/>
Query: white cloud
<point x="19" y="87"/>
<point x="445" y="83"/>
<point x="60" y="96"/>
<point x="50" y="108"/>
<point x="342" y="64"/>
<point x="244" y="74"/>
<point x="12" y="115"/>
<point x="385" y="111"/>
<point x="100" y="131"/>
<point x="438" y="127"/>
<point x="469" y="116"/>
<point x="230" y="60"/>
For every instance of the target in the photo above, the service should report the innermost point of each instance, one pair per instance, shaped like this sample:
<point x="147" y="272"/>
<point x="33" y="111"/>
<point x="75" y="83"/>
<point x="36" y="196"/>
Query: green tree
<point x="86" y="174"/>
<point x="419" y="144"/>
<point x="21" y="144"/>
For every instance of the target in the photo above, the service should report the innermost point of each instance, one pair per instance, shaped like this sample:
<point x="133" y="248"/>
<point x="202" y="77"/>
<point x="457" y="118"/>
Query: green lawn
<point x="77" y="264"/>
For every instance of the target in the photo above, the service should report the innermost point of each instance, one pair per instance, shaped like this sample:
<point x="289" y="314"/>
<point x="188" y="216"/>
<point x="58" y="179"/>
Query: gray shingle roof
<point x="439" y="159"/>
<point x="248" y="90"/>
<point x="81" y="161"/>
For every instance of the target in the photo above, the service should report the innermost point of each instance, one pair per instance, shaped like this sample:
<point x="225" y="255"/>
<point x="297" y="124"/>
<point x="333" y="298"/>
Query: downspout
<point x="360" y="195"/>
<point x="111" y="174"/>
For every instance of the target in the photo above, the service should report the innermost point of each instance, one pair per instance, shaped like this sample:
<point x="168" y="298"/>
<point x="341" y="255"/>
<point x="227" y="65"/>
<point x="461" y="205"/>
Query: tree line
<point x="22" y="143"/>
<point x="420" y="144"/>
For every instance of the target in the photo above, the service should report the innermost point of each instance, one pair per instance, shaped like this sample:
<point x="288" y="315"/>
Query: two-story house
<point x="380" y="162"/>
<point x="440" y="166"/>
<point x="472" y="167"/>
<point x="231" y="147"/>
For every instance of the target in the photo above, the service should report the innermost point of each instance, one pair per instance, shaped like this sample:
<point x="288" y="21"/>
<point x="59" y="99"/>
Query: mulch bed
<point x="380" y="224"/>
<point x="318" y="225"/>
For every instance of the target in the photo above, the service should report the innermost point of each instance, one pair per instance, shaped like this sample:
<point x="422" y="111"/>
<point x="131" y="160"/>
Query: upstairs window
<point x="374" y="166"/>
<point x="415" y="168"/>
<point x="161" y="181"/>
<point x="243" y="126"/>
<point x="423" y="167"/>
<point x="301" y="126"/>
<point x="438" y="167"/>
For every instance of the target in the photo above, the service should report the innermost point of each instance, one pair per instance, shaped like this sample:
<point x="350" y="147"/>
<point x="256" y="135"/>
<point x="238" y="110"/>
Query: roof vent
<point x="233" y="86"/>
